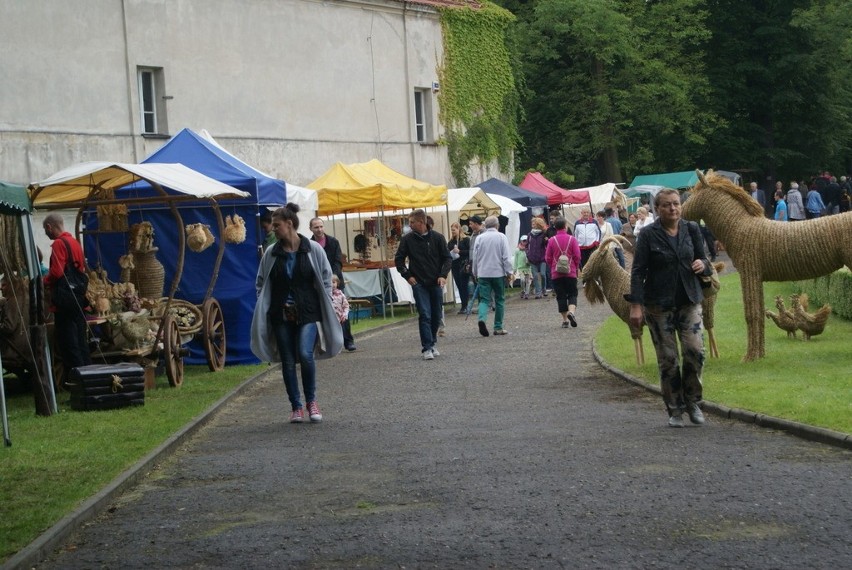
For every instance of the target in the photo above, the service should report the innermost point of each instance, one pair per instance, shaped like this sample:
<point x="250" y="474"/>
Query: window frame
<point x="152" y="100"/>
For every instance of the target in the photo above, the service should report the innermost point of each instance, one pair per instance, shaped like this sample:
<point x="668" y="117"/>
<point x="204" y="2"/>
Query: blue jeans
<point x="429" y="301"/>
<point x="487" y="285"/>
<point x="539" y="271"/>
<point x="297" y="341"/>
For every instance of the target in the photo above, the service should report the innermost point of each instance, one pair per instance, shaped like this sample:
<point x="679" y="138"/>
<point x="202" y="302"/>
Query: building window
<point x="423" y="115"/>
<point x="152" y="104"/>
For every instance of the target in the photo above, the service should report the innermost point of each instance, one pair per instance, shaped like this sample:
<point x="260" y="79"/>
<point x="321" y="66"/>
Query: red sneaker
<point x="314" y="412"/>
<point x="297" y="416"/>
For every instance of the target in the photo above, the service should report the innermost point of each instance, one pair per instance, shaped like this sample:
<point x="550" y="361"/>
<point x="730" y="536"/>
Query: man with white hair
<point x="492" y="267"/>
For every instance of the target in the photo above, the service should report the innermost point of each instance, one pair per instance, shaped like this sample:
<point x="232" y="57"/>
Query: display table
<point x="368" y="283"/>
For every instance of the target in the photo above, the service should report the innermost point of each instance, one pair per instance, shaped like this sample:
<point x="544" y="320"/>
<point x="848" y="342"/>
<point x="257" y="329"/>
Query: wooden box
<point x="107" y="386"/>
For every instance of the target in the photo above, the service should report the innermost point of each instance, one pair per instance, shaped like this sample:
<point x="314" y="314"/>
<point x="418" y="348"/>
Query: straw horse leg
<point x="640" y="351"/>
<point x="711" y="340"/>
<point x="752" y="286"/>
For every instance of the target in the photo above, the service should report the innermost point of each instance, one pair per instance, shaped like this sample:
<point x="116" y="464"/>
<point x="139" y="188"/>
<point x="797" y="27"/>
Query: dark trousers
<point x="71" y="344"/>
<point x="461" y="280"/>
<point x="348" y="339"/>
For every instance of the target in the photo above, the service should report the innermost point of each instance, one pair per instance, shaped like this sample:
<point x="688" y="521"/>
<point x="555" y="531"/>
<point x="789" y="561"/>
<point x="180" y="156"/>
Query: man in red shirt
<point x="70" y="328"/>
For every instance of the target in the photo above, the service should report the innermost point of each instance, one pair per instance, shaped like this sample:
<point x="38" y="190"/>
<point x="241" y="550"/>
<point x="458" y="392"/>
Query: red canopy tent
<point x="535" y="182"/>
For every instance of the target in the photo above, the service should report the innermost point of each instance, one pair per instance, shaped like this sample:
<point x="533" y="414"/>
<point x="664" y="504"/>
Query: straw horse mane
<point x="766" y="250"/>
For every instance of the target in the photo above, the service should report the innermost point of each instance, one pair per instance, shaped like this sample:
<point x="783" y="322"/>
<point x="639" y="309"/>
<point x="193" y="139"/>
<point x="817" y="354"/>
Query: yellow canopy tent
<point x="370" y="187"/>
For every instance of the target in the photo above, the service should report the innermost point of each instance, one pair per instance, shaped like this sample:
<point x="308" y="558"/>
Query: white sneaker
<point x="676" y="421"/>
<point x="428" y="355"/>
<point x="435" y="352"/>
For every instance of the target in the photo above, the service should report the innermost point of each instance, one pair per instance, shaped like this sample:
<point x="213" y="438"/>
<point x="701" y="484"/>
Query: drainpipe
<point x="409" y="91"/>
<point x="130" y="81"/>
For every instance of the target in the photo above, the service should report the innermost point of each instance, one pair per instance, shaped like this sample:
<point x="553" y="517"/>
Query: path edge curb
<point x="51" y="539"/>
<point x="804" y="431"/>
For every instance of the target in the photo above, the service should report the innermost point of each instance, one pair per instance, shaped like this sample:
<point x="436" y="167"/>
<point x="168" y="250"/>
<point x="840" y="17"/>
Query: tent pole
<point x="36" y="296"/>
<point x="448" y="232"/>
<point x="7" y="441"/>
<point x="384" y="276"/>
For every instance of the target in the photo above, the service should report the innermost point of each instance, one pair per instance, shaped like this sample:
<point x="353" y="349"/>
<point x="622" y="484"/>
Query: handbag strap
<point x="69" y="261"/>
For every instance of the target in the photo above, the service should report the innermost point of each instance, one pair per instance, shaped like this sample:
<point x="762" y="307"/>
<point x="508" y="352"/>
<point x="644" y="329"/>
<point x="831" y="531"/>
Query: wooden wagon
<point x="111" y="188"/>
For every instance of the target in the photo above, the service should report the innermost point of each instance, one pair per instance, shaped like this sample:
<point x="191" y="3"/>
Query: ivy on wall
<point x="478" y="99"/>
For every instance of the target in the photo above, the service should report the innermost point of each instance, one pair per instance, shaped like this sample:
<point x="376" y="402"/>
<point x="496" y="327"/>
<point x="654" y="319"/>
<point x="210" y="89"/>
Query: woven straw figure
<point x="811" y="324"/>
<point x="784" y="318"/>
<point x="604" y="279"/>
<point x="766" y="250"/>
<point x="235" y="229"/>
<point x="199" y="237"/>
<point x="141" y="237"/>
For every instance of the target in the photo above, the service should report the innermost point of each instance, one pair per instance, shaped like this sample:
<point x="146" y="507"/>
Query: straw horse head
<point x="604" y="279"/>
<point x="766" y="250"/>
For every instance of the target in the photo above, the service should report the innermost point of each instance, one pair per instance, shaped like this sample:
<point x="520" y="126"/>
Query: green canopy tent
<point x="19" y="260"/>
<point x="677" y="180"/>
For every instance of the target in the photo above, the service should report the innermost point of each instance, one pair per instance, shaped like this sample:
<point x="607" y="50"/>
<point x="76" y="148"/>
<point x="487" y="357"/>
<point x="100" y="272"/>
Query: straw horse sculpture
<point x="604" y="278"/>
<point x="765" y="250"/>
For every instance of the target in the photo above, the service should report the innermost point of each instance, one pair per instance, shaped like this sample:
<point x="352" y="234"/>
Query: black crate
<point x="107" y="386"/>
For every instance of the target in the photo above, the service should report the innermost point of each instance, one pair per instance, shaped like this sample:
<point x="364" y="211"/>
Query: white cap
<point x="523" y="238"/>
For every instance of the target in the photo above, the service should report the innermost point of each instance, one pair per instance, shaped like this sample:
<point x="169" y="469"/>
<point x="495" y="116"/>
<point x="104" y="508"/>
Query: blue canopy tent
<point x="234" y="287"/>
<point x="523" y="197"/>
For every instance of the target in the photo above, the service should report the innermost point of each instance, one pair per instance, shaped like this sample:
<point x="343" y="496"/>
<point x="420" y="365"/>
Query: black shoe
<point x="350" y="348"/>
<point x="461" y="312"/>
<point x="572" y="319"/>
<point x="483" y="328"/>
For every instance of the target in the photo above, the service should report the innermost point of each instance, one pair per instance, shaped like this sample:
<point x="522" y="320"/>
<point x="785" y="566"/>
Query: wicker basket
<point x="148" y="275"/>
<point x="188" y="316"/>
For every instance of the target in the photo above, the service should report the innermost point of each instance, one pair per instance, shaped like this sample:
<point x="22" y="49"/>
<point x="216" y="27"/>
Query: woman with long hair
<point x="294" y="318"/>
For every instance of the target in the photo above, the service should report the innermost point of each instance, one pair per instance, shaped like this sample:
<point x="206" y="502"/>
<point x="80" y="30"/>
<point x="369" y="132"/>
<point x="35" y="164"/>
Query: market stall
<point x="534" y="204"/>
<point x="372" y="189"/>
<point x="108" y="197"/>
<point x="200" y="152"/>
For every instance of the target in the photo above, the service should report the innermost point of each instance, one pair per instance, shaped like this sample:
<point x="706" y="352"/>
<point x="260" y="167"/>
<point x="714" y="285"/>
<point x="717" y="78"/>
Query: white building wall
<point x="289" y="86"/>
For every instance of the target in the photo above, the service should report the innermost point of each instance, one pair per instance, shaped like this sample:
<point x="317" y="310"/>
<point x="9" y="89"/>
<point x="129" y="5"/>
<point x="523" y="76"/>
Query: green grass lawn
<point x="58" y="462"/>
<point x="808" y="382"/>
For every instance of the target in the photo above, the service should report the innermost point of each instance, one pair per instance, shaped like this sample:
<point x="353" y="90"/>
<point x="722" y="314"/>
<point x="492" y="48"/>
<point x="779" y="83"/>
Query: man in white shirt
<point x="492" y="266"/>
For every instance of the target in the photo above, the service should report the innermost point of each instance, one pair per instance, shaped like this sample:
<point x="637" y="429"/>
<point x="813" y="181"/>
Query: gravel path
<point x="504" y="452"/>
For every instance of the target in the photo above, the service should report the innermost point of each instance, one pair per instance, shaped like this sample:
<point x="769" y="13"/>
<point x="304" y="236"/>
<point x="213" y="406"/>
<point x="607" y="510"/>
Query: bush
<point x="834" y="289"/>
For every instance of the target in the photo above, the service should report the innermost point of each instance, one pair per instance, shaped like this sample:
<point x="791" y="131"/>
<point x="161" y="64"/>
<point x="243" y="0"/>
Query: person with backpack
<point x="563" y="258"/>
<point x="67" y="265"/>
<point x="536" y="244"/>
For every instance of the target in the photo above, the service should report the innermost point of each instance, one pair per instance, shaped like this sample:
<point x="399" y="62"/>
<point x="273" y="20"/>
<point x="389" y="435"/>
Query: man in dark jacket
<point x="429" y="263"/>
<point x="335" y="259"/>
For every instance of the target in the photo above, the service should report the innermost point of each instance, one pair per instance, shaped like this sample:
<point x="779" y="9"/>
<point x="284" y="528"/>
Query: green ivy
<point x="478" y="99"/>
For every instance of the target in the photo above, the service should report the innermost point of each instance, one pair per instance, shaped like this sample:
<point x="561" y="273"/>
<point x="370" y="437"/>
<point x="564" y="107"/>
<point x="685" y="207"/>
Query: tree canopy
<point x="615" y="88"/>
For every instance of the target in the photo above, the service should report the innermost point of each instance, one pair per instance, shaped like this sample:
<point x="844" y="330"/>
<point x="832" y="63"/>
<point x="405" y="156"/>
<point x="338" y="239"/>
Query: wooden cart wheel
<point x="213" y="334"/>
<point x="172" y="352"/>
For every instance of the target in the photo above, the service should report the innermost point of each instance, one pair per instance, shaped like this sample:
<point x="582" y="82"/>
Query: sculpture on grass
<point x="766" y="250"/>
<point x="604" y="279"/>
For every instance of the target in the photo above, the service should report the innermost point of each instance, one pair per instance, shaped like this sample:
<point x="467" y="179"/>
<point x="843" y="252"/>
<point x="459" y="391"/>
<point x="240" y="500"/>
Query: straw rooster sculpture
<point x="811" y="324"/>
<point x="784" y="318"/>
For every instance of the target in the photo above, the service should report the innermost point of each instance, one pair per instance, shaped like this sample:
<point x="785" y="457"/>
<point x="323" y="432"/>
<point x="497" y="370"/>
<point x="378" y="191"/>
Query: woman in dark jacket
<point x="294" y="320"/>
<point x="665" y="294"/>
<point x="459" y="246"/>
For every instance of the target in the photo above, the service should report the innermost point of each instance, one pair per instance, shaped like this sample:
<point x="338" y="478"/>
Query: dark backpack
<point x="69" y="291"/>
<point x="535" y="248"/>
